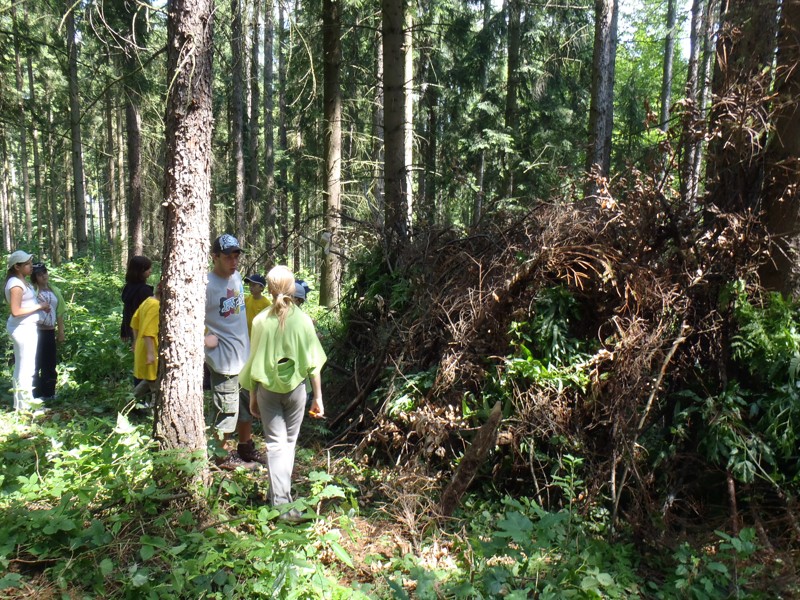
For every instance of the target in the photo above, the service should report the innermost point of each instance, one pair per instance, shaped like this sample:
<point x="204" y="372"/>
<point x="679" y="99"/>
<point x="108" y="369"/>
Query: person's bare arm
<point x="317" y="407"/>
<point x="150" y="346"/>
<point x="15" y="302"/>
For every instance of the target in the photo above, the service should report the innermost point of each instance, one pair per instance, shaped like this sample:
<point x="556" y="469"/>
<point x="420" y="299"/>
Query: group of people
<point x="35" y="325"/>
<point x="259" y="352"/>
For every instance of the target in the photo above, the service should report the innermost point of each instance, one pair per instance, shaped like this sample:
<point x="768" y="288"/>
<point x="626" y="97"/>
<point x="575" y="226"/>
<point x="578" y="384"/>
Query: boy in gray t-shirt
<point x="227" y="347"/>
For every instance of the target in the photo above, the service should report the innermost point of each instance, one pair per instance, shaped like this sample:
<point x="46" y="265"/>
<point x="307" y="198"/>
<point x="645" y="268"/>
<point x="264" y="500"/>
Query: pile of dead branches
<point x="648" y="273"/>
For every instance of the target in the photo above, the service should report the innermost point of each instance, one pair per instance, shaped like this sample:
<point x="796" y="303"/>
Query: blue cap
<point x="256" y="278"/>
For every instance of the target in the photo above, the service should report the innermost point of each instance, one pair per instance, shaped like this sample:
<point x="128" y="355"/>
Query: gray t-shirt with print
<point x="226" y="318"/>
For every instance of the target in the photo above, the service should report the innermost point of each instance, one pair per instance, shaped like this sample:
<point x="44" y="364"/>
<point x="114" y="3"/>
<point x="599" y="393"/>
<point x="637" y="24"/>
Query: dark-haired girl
<point x="135" y="292"/>
<point x="51" y="332"/>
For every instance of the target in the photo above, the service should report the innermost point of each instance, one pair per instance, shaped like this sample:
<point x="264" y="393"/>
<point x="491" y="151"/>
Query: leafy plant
<point x="723" y="572"/>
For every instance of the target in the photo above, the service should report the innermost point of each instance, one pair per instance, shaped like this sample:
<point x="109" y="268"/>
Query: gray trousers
<point x="281" y="417"/>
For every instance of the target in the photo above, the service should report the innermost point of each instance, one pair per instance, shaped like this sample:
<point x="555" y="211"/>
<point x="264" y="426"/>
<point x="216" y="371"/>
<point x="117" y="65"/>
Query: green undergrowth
<point x="90" y="508"/>
<point x="505" y="547"/>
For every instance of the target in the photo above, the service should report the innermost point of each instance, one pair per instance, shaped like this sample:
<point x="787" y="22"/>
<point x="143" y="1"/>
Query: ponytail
<point x="280" y="282"/>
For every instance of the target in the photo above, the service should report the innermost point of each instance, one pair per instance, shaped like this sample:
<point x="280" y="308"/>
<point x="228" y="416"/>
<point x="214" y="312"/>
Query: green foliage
<point x="405" y="393"/>
<point x="91" y="503"/>
<point x="519" y="550"/>
<point x="546" y="352"/>
<point x="723" y="571"/>
<point x="752" y="427"/>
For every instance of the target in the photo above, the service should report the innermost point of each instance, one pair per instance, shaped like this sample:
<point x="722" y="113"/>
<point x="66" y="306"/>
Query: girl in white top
<point x="26" y="310"/>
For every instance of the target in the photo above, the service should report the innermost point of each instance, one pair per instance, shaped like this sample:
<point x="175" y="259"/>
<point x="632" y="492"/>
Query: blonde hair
<point x="280" y="283"/>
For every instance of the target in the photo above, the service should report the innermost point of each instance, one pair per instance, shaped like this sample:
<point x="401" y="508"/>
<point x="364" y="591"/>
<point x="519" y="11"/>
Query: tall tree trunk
<point x="782" y="178"/>
<point x="283" y="193"/>
<point x="55" y="173"/>
<point x="5" y="200"/>
<point x="133" y="126"/>
<point x="332" y="101"/>
<point x="297" y="210"/>
<point x="512" y="87"/>
<point x="741" y="86"/>
<point x="666" y="77"/>
<point x="480" y="168"/>
<point x="79" y="196"/>
<point x="252" y="192"/>
<point x="69" y="210"/>
<point x="396" y="227"/>
<point x="691" y="136"/>
<point x="237" y="116"/>
<point x="122" y="208"/>
<point x="432" y="107"/>
<point x="268" y="194"/>
<point x="111" y="183"/>
<point x="408" y="117"/>
<point x="23" y="130"/>
<point x="37" y="164"/>
<point x="704" y="93"/>
<point x="601" y="110"/>
<point x="378" y="184"/>
<point x="179" y="421"/>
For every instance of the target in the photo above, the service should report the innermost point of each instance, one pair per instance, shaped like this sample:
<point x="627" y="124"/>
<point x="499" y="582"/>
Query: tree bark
<point x="741" y="85"/>
<point x="133" y="126"/>
<point x="396" y="226"/>
<point x="408" y="117"/>
<point x="52" y="195"/>
<point x="122" y="207"/>
<point x="252" y="191"/>
<point x="112" y="201"/>
<point x="283" y="191"/>
<point x="512" y="87"/>
<point x="5" y="200"/>
<point x="268" y="195"/>
<point x="37" y="164"/>
<point x="237" y="116"/>
<point x="69" y="210"/>
<point x="179" y="422"/>
<point x="691" y="136"/>
<point x="480" y="167"/>
<point x="332" y="52"/>
<point x="79" y="196"/>
<point x="601" y="110"/>
<point x="379" y="184"/>
<point x="666" y="79"/>
<point x="474" y="457"/>
<point x="23" y="130"/>
<point x="782" y="178"/>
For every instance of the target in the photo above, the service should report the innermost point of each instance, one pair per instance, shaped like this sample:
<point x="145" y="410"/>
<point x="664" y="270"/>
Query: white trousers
<point x="281" y="417"/>
<point x="26" y="339"/>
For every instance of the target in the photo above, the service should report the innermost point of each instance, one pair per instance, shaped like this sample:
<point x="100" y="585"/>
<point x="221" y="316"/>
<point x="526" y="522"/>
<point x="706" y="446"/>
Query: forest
<point x="553" y="254"/>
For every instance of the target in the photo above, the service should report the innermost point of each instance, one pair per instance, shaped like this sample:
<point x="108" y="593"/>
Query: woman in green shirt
<point x="51" y="332"/>
<point x="284" y="351"/>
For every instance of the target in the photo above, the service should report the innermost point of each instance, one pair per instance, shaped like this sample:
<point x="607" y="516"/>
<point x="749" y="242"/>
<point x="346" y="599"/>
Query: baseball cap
<point x="256" y="278"/>
<point x="299" y="291"/>
<point x="225" y="244"/>
<point x="17" y="257"/>
<point x="39" y="267"/>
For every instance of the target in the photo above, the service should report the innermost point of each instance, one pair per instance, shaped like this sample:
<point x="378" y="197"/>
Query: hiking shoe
<point x="229" y="461"/>
<point x="248" y="453"/>
<point x="294" y="516"/>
